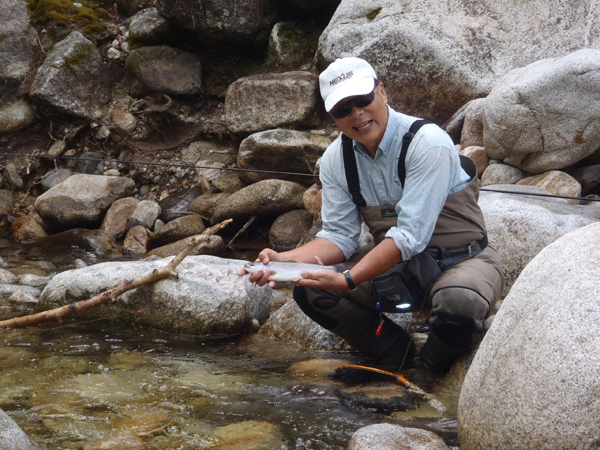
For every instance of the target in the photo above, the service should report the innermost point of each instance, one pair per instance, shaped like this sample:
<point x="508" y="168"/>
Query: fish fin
<point x="299" y="277"/>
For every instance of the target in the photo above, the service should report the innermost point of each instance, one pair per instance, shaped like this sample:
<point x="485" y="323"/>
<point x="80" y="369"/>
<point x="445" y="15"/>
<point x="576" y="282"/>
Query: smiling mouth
<point x="363" y="126"/>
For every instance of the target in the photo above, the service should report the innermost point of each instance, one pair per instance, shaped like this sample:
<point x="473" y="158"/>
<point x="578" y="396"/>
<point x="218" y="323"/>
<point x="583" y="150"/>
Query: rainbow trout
<point x="285" y="270"/>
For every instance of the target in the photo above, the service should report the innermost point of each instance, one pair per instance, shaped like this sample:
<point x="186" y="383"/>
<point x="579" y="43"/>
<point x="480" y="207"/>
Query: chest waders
<point x="356" y="315"/>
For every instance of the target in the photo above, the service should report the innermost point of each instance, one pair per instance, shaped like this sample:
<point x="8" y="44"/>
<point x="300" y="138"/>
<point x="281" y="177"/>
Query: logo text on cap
<point x="341" y="78"/>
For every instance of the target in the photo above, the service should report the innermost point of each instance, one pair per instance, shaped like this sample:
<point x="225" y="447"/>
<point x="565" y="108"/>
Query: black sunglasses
<point x="360" y="102"/>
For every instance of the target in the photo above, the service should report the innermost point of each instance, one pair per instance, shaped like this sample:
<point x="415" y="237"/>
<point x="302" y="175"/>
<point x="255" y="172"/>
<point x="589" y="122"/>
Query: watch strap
<point x="350" y="281"/>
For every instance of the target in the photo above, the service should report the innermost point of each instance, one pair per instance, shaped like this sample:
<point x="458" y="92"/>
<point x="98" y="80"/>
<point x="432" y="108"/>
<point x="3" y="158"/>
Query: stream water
<point x="103" y="386"/>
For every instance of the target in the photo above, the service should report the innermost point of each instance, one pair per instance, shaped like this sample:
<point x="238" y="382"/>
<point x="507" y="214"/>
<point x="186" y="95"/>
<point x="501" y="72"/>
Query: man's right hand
<point x="262" y="276"/>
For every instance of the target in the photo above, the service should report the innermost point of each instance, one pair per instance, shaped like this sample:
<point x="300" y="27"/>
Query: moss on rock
<point x="373" y="14"/>
<point x="88" y="17"/>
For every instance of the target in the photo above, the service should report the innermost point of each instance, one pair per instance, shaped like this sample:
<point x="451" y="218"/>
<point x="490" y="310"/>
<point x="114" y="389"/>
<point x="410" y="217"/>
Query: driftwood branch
<point x="111" y="295"/>
<point x="241" y="231"/>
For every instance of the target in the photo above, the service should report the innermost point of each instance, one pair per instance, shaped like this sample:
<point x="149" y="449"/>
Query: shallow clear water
<point x="101" y="386"/>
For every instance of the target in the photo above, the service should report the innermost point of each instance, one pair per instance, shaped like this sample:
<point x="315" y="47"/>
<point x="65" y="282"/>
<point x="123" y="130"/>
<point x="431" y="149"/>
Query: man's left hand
<point x="326" y="279"/>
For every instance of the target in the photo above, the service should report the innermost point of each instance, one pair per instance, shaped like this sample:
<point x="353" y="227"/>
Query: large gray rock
<point x="268" y="197"/>
<point x="11" y="435"/>
<point x="387" y="436"/>
<point x="117" y="217"/>
<point x="472" y="130"/>
<point x="148" y="27"/>
<point x="520" y="226"/>
<point x="205" y="205"/>
<point x="17" y="48"/>
<point x="499" y="173"/>
<point x="262" y="102"/>
<point x="82" y="200"/>
<point x="555" y="182"/>
<point x="293" y="151"/>
<point x="163" y="69"/>
<point x="214" y="151"/>
<point x="178" y="229"/>
<point x="545" y="116"/>
<point x="7" y="277"/>
<point x="289" y="228"/>
<point x="292" y="44"/>
<point x="27" y="229"/>
<point x="535" y="381"/>
<point x="137" y="241"/>
<point x="208" y="297"/>
<point x="73" y="81"/>
<point x="246" y="23"/>
<point x="10" y="289"/>
<point x="454" y="125"/>
<point x="436" y="55"/>
<point x="146" y="212"/>
<point x="289" y="323"/>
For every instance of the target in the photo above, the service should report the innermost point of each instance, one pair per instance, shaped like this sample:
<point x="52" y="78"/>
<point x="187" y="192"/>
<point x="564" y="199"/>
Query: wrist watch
<point x="350" y="281"/>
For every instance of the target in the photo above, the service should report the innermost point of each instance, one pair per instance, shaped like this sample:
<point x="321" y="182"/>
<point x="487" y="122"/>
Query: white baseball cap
<point x="346" y="77"/>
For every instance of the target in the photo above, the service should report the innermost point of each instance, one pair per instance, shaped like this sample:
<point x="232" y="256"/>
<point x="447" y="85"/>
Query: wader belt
<point x="448" y="258"/>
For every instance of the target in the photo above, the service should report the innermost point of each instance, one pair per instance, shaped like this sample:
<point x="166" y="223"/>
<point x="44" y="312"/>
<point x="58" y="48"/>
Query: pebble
<point x="9" y="289"/>
<point x="23" y="297"/>
<point x="7" y="277"/>
<point x="80" y="264"/>
<point x="113" y="53"/>
<point x="30" y="279"/>
<point x="11" y="174"/>
<point x="57" y="148"/>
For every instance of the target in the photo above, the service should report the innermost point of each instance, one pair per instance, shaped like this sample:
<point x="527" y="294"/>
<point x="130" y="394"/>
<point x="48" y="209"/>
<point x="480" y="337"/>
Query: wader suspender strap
<point x="352" y="171"/>
<point x="406" y="140"/>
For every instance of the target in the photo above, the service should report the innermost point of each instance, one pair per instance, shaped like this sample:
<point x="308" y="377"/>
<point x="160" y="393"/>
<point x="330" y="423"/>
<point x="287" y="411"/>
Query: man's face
<point x="366" y="125"/>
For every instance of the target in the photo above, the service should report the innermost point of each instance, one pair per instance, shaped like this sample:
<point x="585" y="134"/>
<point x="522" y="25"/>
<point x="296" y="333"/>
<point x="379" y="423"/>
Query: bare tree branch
<point x="111" y="295"/>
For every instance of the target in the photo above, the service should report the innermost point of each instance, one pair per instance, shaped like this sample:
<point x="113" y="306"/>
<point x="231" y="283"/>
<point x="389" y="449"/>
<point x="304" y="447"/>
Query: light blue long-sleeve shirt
<point x="433" y="172"/>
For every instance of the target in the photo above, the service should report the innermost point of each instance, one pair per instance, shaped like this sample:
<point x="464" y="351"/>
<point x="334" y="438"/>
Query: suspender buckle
<point x="408" y="136"/>
<point x="470" y="254"/>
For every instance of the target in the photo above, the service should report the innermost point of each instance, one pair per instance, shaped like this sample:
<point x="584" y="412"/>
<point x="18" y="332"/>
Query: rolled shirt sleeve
<point x="428" y="183"/>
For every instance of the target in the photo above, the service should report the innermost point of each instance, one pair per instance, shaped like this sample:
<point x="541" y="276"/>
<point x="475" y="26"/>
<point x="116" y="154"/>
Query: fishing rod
<point x="158" y="164"/>
<point x="275" y="172"/>
<point x="541" y="195"/>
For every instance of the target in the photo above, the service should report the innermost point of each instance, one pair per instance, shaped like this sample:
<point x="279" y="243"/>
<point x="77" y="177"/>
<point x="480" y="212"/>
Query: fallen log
<point x="60" y="313"/>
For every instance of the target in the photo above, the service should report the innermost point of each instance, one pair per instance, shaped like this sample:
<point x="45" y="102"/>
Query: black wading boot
<point x="450" y="337"/>
<point x="358" y="326"/>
